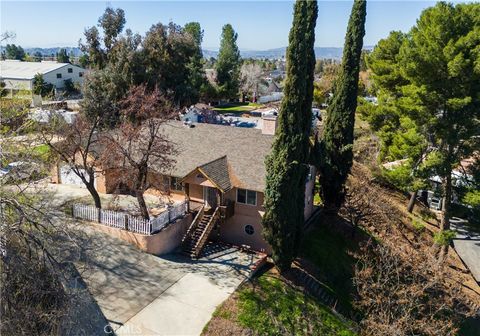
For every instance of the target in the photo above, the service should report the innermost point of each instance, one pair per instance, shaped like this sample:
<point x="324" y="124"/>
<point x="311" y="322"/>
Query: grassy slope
<point x="270" y="306"/>
<point x="333" y="256"/>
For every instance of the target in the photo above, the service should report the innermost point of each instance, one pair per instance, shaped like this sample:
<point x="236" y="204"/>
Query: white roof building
<point x="18" y="75"/>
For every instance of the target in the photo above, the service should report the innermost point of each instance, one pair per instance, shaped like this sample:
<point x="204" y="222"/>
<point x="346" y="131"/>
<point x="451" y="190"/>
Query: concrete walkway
<point x="467" y="245"/>
<point x="142" y="294"/>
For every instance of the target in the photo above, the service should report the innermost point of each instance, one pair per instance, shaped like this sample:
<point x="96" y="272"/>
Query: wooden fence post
<point x="125" y="222"/>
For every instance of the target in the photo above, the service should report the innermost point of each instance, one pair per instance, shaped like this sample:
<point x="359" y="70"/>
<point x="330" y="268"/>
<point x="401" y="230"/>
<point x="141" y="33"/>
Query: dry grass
<point x="224" y="322"/>
<point x="393" y="223"/>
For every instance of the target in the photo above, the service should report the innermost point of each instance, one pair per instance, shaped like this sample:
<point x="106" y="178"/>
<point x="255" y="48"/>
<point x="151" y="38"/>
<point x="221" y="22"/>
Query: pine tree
<point x="228" y="63"/>
<point x="336" y="153"/>
<point x="437" y="91"/>
<point x="286" y="165"/>
<point x="196" y="75"/>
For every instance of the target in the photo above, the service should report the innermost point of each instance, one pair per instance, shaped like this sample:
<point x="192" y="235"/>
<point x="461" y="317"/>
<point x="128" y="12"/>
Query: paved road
<point x="467" y="245"/>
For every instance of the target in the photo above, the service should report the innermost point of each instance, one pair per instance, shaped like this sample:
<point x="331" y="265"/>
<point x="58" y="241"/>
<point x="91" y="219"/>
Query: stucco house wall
<point x="233" y="230"/>
<point x="76" y="76"/>
<point x="163" y="242"/>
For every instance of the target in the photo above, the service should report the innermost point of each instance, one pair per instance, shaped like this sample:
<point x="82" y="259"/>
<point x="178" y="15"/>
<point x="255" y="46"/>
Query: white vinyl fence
<point x="275" y="96"/>
<point x="160" y="221"/>
<point x="112" y="218"/>
<point x="122" y="220"/>
<point x="87" y="212"/>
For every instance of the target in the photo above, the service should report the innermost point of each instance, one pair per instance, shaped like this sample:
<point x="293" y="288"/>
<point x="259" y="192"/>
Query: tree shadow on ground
<point x="328" y="253"/>
<point x="470" y="327"/>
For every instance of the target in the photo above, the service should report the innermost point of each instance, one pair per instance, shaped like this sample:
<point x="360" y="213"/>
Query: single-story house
<point x="219" y="167"/>
<point x="18" y="75"/>
<point x="200" y="113"/>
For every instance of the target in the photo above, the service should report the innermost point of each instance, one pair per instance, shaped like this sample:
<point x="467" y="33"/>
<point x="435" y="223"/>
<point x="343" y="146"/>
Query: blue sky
<point x="260" y="24"/>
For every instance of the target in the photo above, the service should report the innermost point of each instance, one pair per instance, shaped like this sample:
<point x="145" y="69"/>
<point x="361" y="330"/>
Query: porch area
<point x="206" y="189"/>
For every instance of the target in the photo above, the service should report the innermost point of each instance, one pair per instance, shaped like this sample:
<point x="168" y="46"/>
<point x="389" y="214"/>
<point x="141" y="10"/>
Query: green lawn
<point x="270" y="306"/>
<point x="332" y="253"/>
<point x="237" y="108"/>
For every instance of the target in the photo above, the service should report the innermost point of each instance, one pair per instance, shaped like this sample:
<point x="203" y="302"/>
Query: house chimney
<point x="269" y="124"/>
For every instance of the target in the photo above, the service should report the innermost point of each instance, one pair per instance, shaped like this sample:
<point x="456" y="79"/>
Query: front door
<point x="210" y="197"/>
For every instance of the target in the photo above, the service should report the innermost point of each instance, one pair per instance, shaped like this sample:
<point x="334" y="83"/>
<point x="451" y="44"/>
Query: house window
<point x="245" y="196"/>
<point x="249" y="230"/>
<point x="175" y="184"/>
<point x="70" y="70"/>
<point x="80" y="74"/>
<point x="59" y="75"/>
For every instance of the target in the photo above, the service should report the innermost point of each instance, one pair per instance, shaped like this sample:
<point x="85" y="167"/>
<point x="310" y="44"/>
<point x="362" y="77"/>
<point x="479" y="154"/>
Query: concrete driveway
<point x="139" y="293"/>
<point x="142" y="294"/>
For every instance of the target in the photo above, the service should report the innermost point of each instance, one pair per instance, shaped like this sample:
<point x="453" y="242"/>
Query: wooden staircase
<point x="199" y="231"/>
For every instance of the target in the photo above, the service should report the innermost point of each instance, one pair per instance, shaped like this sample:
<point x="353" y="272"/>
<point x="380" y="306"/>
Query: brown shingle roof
<point x="217" y="172"/>
<point x="244" y="150"/>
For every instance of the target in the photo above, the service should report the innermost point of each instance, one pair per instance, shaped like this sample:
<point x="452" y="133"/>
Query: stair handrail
<point x="206" y="232"/>
<point x="194" y="224"/>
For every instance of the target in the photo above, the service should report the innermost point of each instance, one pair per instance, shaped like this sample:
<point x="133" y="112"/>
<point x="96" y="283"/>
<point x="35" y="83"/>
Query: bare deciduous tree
<point x="77" y="146"/>
<point x="139" y="143"/>
<point x="32" y="297"/>
<point x="250" y="77"/>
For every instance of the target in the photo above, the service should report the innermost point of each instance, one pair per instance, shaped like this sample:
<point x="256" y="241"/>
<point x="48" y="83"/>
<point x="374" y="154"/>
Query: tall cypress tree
<point x="336" y="155"/>
<point x="286" y="165"/>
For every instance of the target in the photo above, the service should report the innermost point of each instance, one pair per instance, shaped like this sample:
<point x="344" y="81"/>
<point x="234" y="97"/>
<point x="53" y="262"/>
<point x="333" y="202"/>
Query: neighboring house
<point x="277" y="73"/>
<point x="460" y="179"/>
<point x="219" y="167"/>
<point x="200" y="113"/>
<point x="273" y="87"/>
<point x="190" y="115"/>
<point x="18" y="75"/>
<point x="270" y="91"/>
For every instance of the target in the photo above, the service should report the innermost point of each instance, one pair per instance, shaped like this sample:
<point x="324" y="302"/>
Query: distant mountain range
<point x="320" y="52"/>
<point x="53" y="51"/>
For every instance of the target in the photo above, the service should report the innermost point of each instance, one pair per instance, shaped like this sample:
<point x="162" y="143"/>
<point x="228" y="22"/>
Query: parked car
<point x="245" y="124"/>
<point x="435" y="203"/>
